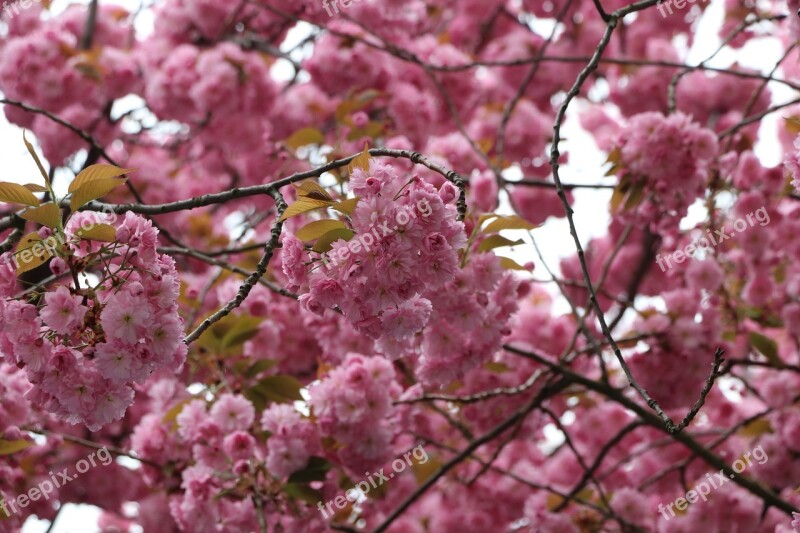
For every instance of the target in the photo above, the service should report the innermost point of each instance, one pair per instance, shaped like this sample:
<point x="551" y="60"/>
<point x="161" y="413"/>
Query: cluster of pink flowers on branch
<point x="84" y="346"/>
<point x="353" y="406"/>
<point x="266" y="314"/>
<point x="664" y="164"/>
<point x="376" y="287"/>
<point x="82" y="349"/>
<point x="412" y="282"/>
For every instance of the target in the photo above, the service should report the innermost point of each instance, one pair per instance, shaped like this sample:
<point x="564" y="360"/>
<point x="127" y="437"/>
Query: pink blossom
<point x="233" y="413"/>
<point x="407" y="319"/>
<point x="62" y="311"/>
<point x="704" y="275"/>
<point x="118" y="362"/>
<point x="126" y="318"/>
<point x="239" y="445"/>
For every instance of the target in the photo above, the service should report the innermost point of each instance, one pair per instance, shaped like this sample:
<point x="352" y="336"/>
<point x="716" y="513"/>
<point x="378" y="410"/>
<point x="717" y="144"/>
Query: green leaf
<point x="372" y="130"/>
<point x="31" y="151"/>
<point x="423" y="471"/>
<point x="96" y="173"/>
<point x="635" y="196"/>
<point x="315" y="470"/>
<point x="347" y="206"/>
<point x="617" y="197"/>
<point x="756" y="428"/>
<point x="497" y="241"/>
<point x="304" y="205"/>
<point x="496" y="367"/>
<point x="312" y="189"/>
<point x="508" y="222"/>
<point x="257" y="398"/>
<point x="510" y="264"/>
<point x="304" y="137"/>
<point x="346" y="108"/>
<point x="87" y="62"/>
<point x="35" y="188"/>
<point x="792" y="125"/>
<point x="554" y="500"/>
<point x="280" y="389"/>
<point x="615" y="156"/>
<point x="227" y="335"/>
<point x="325" y="243"/>
<point x="28" y="241"/>
<point x="245" y="328"/>
<point x="486" y="216"/>
<point x="361" y="161"/>
<point x="14" y="193"/>
<point x="98" y="232"/>
<point x="304" y="492"/>
<point x="93" y="190"/>
<point x="318" y="228"/>
<point x="766" y="346"/>
<point x="31" y="253"/>
<point x="7" y="447"/>
<point x="262" y="365"/>
<point x="48" y="215"/>
<point x="171" y="416"/>
<point x="760" y="316"/>
<point x="629" y="192"/>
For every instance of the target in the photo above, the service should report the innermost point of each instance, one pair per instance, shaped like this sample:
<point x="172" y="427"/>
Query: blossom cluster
<point x="353" y="405"/>
<point x="293" y="440"/>
<point x="224" y="86"/>
<point x="665" y="163"/>
<point x="408" y="290"/>
<point x="792" y="164"/>
<point x="222" y="449"/>
<point x="379" y="288"/>
<point x="469" y="319"/>
<point x="220" y="440"/>
<point x="69" y="81"/>
<point x="420" y="333"/>
<point x="84" y="348"/>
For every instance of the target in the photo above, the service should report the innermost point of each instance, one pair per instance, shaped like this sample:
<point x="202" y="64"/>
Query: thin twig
<point x="602" y="11"/>
<point x="617" y="395"/>
<point x="93" y="445"/>
<point x="703" y="393"/>
<point x="247" y="286"/>
<point x="555" y="155"/>
<point x="91" y="24"/>
<point x="466" y="452"/>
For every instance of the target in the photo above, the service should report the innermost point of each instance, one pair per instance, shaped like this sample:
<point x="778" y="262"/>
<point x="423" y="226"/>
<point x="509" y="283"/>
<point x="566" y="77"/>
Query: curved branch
<point x="247" y="286"/>
<point x="617" y="395"/>
<point x="555" y="154"/>
<point x="466" y="452"/>
<point x="273" y="187"/>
